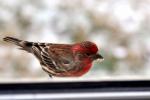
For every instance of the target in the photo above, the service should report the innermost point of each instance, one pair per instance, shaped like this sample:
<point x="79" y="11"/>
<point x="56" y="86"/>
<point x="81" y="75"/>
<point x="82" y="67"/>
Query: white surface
<point x="108" y="95"/>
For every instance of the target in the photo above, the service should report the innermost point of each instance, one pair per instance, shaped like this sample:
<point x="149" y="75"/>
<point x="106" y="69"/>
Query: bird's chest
<point x="80" y="69"/>
<point x="84" y="70"/>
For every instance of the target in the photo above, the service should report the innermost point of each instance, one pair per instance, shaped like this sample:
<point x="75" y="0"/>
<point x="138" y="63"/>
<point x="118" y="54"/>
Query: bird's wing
<point x="40" y="50"/>
<point x="46" y="59"/>
<point x="62" y="56"/>
<point x="56" y="57"/>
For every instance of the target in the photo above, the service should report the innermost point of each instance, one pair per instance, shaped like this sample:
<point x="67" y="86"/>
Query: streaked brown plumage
<point x="63" y="60"/>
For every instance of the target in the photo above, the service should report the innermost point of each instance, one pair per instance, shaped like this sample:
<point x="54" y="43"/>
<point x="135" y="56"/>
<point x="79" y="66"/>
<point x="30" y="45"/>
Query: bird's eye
<point x="88" y="54"/>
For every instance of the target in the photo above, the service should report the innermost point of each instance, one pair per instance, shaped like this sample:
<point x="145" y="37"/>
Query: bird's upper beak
<point x="97" y="57"/>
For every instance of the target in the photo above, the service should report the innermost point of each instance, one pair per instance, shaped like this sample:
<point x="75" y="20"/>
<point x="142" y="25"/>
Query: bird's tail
<point x="12" y="40"/>
<point x="25" y="45"/>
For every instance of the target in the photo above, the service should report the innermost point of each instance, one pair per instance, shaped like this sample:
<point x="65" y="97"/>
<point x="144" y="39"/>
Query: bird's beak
<point x="98" y="57"/>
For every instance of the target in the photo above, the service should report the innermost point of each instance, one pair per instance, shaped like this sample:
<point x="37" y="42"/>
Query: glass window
<point x="119" y="28"/>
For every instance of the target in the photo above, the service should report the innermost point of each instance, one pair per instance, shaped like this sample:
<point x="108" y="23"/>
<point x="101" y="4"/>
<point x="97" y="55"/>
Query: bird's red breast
<point x="85" y="68"/>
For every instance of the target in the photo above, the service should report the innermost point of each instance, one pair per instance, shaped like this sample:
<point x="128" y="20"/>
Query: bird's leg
<point x="50" y="76"/>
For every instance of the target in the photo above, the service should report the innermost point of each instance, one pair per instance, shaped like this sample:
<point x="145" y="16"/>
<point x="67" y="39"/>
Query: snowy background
<point x="120" y="28"/>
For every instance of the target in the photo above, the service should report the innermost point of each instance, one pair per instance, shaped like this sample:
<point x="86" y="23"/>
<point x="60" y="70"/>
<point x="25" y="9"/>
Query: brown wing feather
<point x="62" y="56"/>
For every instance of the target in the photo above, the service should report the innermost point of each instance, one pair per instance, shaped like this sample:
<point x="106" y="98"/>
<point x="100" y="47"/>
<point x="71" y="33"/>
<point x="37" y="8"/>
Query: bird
<point x="61" y="60"/>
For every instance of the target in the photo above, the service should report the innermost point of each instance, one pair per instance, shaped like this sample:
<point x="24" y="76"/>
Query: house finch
<point x="61" y="60"/>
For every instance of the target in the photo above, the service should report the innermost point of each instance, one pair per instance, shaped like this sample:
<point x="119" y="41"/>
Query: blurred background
<point x="120" y="28"/>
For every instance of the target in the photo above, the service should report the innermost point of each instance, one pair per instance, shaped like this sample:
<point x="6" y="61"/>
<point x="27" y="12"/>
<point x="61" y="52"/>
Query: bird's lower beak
<point x="98" y="57"/>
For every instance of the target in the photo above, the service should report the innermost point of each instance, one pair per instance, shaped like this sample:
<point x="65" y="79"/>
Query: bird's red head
<point x="85" y="52"/>
<point x="85" y="46"/>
